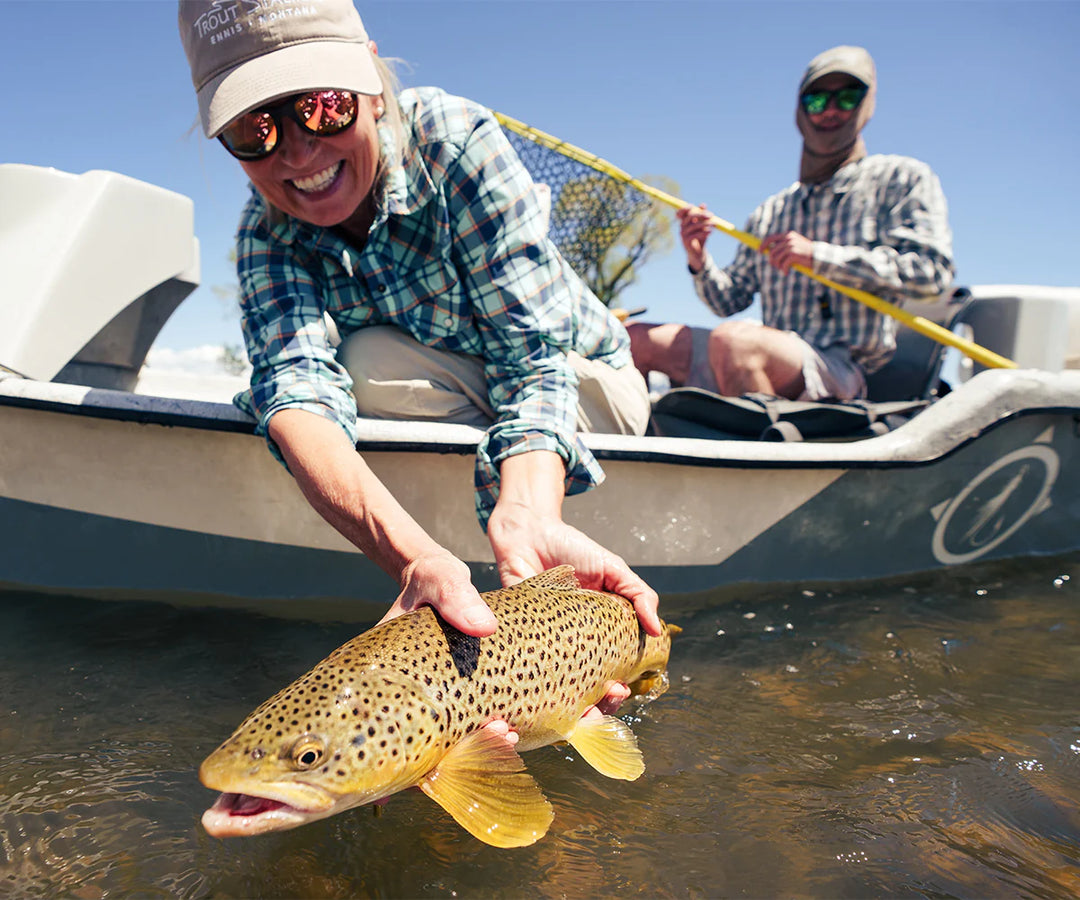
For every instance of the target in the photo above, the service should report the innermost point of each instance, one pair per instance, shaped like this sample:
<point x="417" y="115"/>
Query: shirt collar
<point x="843" y="180"/>
<point x="845" y="177"/>
<point x="408" y="185"/>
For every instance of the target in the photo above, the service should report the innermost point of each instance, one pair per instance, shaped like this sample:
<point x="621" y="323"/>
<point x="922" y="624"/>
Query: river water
<point x="913" y="738"/>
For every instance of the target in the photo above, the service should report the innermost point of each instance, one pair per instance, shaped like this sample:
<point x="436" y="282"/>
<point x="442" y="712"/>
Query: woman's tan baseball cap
<point x="243" y="53"/>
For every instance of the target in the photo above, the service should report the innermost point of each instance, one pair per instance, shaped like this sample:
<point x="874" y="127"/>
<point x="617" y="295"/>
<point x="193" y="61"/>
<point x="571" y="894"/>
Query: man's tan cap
<point x="854" y="61"/>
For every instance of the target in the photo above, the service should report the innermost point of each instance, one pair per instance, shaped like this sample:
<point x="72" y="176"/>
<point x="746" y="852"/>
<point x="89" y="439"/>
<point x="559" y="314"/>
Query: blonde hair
<point x="391" y="119"/>
<point x="392" y="109"/>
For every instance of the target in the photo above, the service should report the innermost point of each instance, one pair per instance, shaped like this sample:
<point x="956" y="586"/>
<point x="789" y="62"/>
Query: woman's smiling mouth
<point x="320" y="181"/>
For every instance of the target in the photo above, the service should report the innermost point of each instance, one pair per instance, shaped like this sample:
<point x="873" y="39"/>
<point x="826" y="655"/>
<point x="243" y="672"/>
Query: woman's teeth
<point x="319" y="181"/>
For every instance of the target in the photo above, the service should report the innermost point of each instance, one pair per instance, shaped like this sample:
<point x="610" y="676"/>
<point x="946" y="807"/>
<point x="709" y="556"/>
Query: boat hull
<point x="105" y="493"/>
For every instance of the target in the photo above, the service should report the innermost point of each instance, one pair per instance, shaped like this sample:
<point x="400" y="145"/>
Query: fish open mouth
<point x="236" y="815"/>
<point x="246" y="805"/>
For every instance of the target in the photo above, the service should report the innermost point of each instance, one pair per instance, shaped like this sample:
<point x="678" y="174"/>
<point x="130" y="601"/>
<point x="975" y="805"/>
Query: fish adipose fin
<point x="482" y="783"/>
<point x="609" y="746"/>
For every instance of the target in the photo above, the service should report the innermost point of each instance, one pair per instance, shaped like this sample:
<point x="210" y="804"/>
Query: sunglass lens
<point x="252" y="136"/>
<point x="848" y="98"/>
<point x="326" y="112"/>
<point x="815" y="102"/>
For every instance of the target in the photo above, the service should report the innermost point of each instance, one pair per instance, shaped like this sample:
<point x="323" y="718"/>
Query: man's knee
<point x="660" y="348"/>
<point x="641" y="344"/>
<point x="736" y="347"/>
<point x="747" y="356"/>
<point x="736" y="338"/>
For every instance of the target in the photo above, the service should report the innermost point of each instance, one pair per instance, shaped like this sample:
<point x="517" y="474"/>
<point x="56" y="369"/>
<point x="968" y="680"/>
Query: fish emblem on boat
<point x="996" y="502"/>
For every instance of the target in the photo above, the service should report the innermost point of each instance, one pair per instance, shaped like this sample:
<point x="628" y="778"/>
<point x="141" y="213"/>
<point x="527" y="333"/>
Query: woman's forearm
<point x="341" y="487"/>
<point x="534" y="481"/>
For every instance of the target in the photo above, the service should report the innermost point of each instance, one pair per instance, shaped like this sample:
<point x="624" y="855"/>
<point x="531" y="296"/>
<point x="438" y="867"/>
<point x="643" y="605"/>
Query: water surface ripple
<point x="912" y="738"/>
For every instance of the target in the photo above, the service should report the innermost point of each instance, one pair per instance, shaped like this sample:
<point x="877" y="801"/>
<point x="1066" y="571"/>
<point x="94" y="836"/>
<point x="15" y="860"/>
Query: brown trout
<point x="403" y="705"/>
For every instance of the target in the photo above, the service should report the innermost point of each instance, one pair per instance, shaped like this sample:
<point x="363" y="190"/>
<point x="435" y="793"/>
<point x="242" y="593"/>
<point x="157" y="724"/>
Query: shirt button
<point x="448" y="321"/>
<point x="380" y="287"/>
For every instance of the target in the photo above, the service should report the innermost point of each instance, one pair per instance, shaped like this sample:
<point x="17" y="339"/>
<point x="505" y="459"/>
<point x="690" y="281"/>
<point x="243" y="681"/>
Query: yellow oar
<point x="920" y="324"/>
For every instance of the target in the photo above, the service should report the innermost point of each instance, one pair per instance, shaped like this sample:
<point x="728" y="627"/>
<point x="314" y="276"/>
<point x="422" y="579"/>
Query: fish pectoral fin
<point x="648" y="682"/>
<point x="609" y="746"/>
<point x="483" y="784"/>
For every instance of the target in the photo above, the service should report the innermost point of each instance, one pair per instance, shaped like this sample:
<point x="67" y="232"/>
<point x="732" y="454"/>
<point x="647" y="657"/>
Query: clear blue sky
<point x="987" y="93"/>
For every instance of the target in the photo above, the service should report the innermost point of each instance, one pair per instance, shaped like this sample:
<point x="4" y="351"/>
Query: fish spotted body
<point x="404" y="704"/>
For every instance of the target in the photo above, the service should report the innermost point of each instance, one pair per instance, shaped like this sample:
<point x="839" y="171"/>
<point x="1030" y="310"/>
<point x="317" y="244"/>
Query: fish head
<point x="321" y="746"/>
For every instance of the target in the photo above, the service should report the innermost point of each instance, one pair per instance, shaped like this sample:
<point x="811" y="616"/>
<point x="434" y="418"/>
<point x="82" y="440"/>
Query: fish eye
<point x="307" y="752"/>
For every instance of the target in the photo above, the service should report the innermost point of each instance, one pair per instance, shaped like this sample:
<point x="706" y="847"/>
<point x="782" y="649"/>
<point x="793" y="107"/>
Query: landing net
<point x="590" y="212"/>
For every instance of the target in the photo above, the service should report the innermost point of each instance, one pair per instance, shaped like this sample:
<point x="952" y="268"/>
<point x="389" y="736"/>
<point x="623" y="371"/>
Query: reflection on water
<point x="918" y="737"/>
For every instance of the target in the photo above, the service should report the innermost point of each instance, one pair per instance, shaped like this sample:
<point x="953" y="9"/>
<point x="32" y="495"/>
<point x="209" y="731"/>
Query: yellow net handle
<point x="918" y="323"/>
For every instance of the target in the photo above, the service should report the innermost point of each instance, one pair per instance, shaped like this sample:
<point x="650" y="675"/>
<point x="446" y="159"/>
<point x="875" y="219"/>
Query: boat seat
<point x="914" y="371"/>
<point x="91" y="266"/>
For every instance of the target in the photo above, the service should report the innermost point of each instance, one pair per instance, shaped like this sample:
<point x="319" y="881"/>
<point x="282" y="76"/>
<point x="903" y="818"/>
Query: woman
<point x="410" y="221"/>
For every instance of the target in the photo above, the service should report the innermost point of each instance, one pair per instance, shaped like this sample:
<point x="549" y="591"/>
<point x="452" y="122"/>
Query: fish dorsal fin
<point x="483" y="784"/>
<point x="560" y="577"/>
<point x="609" y="746"/>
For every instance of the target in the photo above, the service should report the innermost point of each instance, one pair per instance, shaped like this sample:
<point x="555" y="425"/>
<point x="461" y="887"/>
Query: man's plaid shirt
<point x="879" y="224"/>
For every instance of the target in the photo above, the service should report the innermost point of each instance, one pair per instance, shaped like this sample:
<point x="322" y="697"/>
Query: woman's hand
<point x="343" y="490"/>
<point x="528" y="535"/>
<point x="526" y="544"/>
<point x="444" y="582"/>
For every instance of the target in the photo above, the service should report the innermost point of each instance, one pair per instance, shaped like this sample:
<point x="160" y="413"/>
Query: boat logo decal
<point x="996" y="502"/>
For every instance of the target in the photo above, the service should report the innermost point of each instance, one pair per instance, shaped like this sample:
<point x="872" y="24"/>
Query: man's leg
<point x="747" y="357"/>
<point x="661" y="348"/>
<point x="733" y="358"/>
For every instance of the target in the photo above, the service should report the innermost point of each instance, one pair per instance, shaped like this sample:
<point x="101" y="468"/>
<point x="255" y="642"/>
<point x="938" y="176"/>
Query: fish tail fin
<point x="609" y="746"/>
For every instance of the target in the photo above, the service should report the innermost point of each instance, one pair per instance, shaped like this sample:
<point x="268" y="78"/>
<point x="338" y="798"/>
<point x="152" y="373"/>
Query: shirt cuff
<point x="244" y="402"/>
<point x="828" y="259"/>
<point x="583" y="472"/>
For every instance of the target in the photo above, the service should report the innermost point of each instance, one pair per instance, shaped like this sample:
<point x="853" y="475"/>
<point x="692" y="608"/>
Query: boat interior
<point x="93" y="265"/>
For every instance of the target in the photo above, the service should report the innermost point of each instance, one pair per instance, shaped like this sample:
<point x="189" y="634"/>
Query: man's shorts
<point x="827" y="373"/>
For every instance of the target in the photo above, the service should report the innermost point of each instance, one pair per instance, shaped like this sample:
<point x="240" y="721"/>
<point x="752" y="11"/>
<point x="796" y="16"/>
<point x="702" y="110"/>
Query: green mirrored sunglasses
<point x="847" y="99"/>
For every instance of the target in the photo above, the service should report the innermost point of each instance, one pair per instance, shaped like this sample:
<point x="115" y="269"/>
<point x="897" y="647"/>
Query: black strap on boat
<point x="692" y="412"/>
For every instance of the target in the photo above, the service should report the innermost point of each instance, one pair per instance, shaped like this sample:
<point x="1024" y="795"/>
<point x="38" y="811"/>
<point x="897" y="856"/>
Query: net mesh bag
<point x="590" y="212"/>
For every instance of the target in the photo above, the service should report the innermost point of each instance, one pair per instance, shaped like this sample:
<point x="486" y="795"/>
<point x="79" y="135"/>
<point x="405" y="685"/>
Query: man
<point x="877" y="223"/>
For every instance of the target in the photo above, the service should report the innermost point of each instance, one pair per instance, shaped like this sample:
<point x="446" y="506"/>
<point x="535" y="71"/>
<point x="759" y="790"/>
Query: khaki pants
<point x="397" y="377"/>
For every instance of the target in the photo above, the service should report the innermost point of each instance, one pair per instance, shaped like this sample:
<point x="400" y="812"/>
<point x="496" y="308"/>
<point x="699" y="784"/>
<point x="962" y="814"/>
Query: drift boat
<point x="112" y="485"/>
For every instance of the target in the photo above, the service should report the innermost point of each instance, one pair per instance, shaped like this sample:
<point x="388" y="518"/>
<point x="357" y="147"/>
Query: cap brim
<point x="834" y="69"/>
<point x="311" y="66"/>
